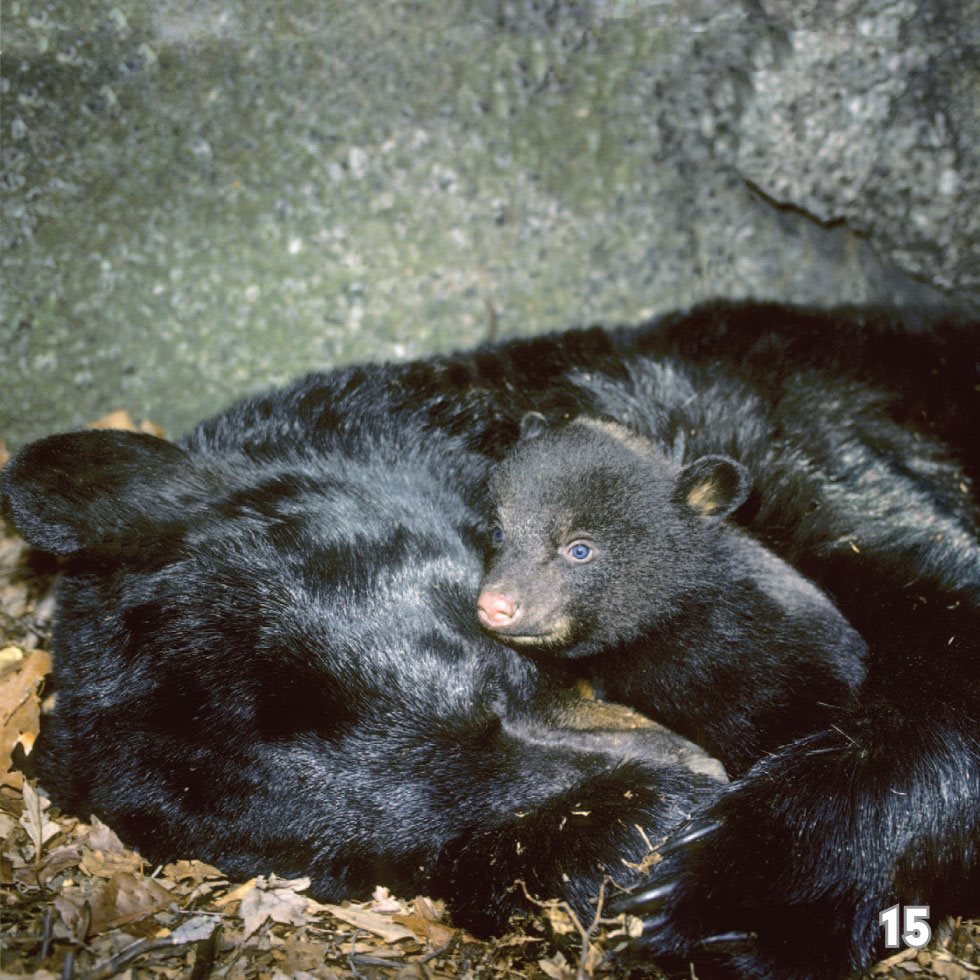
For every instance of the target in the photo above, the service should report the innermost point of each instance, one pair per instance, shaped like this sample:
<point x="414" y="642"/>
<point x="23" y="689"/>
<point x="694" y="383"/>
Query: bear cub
<point x="609" y="556"/>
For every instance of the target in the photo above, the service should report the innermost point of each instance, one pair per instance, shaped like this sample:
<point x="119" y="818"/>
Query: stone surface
<point x="200" y="198"/>
<point x="866" y="113"/>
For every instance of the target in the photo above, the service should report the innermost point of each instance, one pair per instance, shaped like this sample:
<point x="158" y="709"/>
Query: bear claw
<point x="728" y="943"/>
<point x="692" y="831"/>
<point x="651" y="898"/>
<point x="651" y="925"/>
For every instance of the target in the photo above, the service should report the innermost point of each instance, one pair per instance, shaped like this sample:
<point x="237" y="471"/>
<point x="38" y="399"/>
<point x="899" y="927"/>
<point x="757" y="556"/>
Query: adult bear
<point x="217" y="647"/>
<point x="264" y="659"/>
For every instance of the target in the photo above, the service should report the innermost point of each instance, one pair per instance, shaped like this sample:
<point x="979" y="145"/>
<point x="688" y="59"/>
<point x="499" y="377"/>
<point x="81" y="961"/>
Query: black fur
<point x="669" y="609"/>
<point x="267" y="657"/>
<point x="266" y="660"/>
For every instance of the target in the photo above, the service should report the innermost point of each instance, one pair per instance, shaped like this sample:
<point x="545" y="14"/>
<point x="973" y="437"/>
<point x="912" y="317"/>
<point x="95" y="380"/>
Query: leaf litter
<point x="76" y="902"/>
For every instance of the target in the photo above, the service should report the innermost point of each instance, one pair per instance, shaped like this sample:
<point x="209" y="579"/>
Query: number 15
<point x="917" y="931"/>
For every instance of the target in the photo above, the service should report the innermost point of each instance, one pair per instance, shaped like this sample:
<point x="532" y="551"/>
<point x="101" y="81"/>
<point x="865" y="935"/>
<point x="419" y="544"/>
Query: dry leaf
<point x="121" y="419"/>
<point x="236" y="894"/>
<point x="425" y="930"/>
<point x="276" y="899"/>
<point x="425" y="922"/>
<point x="20" y="704"/>
<point x="384" y="902"/>
<point x="517" y="940"/>
<point x="194" y="930"/>
<point x="117" y="902"/>
<point x="559" y="919"/>
<point x="428" y="909"/>
<point x="950" y="970"/>
<point x="556" y="967"/>
<point x="195" y="871"/>
<point x="12" y="780"/>
<point x="204" y="878"/>
<point x="152" y="429"/>
<point x="7" y="824"/>
<point x="102" y="838"/>
<point x="10" y="659"/>
<point x="60" y="859"/>
<point x="302" y="955"/>
<point x="373" y="922"/>
<point x="103" y="864"/>
<point x="131" y="898"/>
<point x="35" y="821"/>
<point x="630" y="926"/>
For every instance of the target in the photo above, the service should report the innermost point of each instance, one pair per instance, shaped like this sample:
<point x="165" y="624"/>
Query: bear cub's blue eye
<point x="579" y="551"/>
<point x="497" y="535"/>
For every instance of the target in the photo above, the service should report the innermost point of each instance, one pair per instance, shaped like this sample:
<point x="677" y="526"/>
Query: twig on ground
<point x="447" y="948"/>
<point x="352" y="956"/>
<point x="582" y="973"/>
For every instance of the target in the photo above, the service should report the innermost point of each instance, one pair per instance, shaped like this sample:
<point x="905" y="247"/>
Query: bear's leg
<point x="786" y="875"/>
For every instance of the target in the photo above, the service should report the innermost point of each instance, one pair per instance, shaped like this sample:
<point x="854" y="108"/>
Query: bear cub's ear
<point x="713" y="486"/>
<point x="97" y="491"/>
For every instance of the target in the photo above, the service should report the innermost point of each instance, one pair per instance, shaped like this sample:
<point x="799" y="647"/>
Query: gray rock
<point x="866" y="113"/>
<point x="203" y="197"/>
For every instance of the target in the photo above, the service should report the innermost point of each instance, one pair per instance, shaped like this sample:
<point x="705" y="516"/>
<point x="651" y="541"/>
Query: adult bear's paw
<point x="770" y="882"/>
<point x="786" y="874"/>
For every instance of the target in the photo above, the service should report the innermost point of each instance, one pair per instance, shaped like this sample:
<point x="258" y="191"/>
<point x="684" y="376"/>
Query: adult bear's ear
<point x="533" y="424"/>
<point x="97" y="492"/>
<point x="713" y="486"/>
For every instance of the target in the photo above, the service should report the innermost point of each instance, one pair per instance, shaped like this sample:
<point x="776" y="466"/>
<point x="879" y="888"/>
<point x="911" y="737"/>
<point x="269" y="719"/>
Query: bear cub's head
<point x="598" y="534"/>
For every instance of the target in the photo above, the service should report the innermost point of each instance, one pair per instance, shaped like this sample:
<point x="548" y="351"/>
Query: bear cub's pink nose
<point x="496" y="611"/>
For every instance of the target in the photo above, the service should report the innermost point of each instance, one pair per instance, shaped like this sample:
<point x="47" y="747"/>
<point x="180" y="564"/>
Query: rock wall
<point x="204" y="197"/>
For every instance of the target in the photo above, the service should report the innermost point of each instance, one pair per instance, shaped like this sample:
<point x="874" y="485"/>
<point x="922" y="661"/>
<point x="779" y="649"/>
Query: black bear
<point x="264" y="660"/>
<point x="609" y="552"/>
<point x="265" y="650"/>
